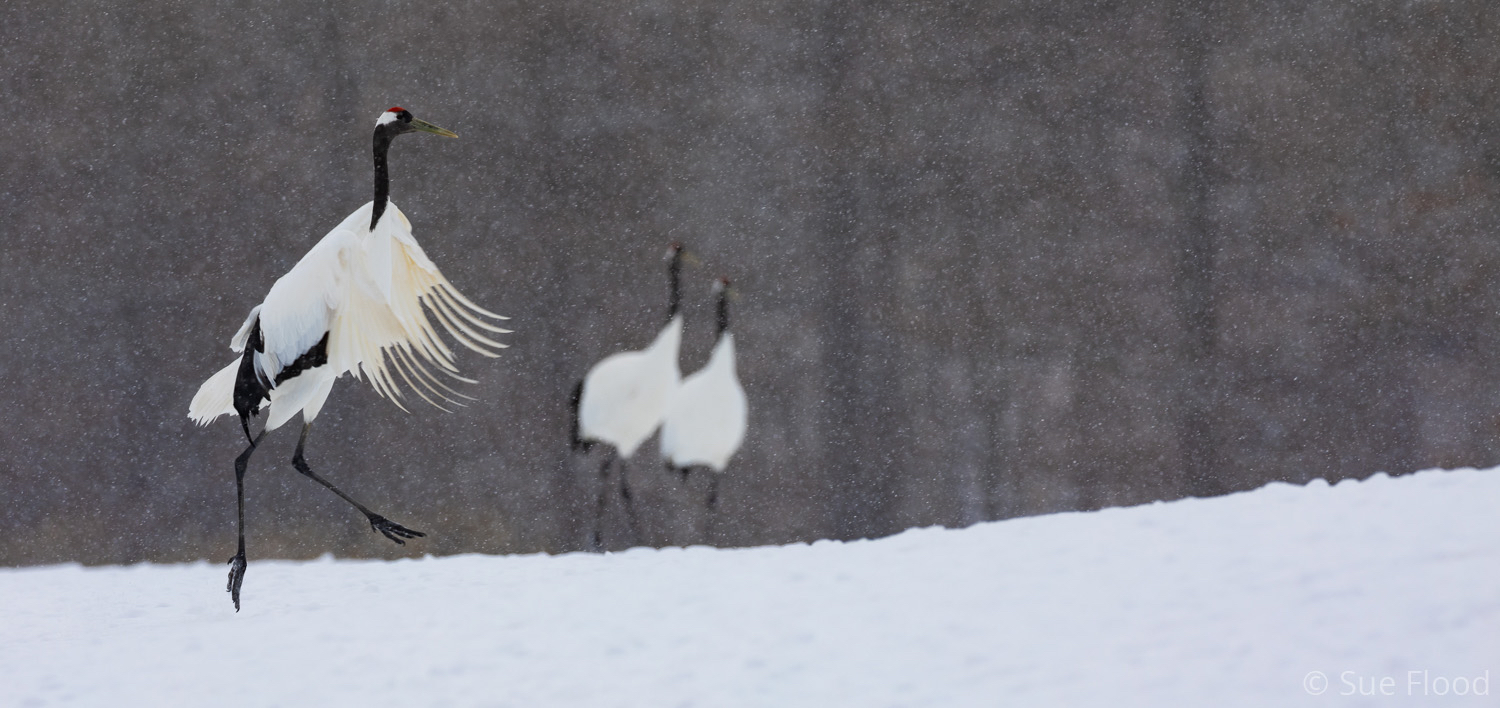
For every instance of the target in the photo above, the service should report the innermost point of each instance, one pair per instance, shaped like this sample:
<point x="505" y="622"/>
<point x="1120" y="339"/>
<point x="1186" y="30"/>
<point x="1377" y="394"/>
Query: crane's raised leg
<point x="237" y="563"/>
<point x="392" y="530"/>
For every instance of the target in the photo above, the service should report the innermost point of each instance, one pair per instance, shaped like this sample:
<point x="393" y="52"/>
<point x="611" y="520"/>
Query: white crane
<point x="621" y="400"/>
<point x="352" y="304"/>
<point x="705" y="421"/>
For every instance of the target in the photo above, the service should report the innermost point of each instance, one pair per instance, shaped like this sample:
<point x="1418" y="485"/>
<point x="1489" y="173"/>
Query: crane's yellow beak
<point x="424" y="126"/>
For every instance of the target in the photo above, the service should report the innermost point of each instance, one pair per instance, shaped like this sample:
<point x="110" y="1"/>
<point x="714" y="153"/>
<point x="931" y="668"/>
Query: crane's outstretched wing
<point x="378" y="326"/>
<point x="355" y="302"/>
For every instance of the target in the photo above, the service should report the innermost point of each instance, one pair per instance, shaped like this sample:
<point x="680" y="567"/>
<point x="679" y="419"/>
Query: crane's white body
<point x="706" y="418"/>
<point x="625" y="394"/>
<point x="365" y="289"/>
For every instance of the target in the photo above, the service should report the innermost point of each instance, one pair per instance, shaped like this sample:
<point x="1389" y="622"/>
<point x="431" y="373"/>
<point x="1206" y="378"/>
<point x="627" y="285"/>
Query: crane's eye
<point x="405" y="116"/>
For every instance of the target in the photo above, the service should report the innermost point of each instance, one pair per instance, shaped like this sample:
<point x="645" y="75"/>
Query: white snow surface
<point x="1242" y="600"/>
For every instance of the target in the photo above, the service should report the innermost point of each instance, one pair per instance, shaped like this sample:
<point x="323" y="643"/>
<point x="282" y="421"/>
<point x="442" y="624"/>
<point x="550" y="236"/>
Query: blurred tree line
<point x="996" y="258"/>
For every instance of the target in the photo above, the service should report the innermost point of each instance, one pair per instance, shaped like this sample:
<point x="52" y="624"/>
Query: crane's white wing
<point x="296" y="313"/>
<point x="625" y="394"/>
<point x="216" y="396"/>
<point x="365" y="291"/>
<point x="377" y="324"/>
<point x="705" y="421"/>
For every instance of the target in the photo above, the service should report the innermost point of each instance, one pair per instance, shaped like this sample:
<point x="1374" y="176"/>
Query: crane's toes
<point x="236" y="578"/>
<point x="392" y="530"/>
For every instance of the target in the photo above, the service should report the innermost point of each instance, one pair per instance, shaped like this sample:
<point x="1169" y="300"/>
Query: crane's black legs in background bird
<point x="392" y="530"/>
<point x="237" y="563"/>
<point x="713" y="507"/>
<point x="629" y="503"/>
<point x="601" y="499"/>
<point x="713" y="495"/>
<point x="713" y="484"/>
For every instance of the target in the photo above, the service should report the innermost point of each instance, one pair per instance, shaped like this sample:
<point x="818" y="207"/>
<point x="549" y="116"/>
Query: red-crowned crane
<point x="705" y="420"/>
<point x="353" y="304"/>
<point x="621" y="400"/>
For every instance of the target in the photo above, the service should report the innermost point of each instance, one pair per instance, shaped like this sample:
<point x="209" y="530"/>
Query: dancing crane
<point x="353" y="304"/>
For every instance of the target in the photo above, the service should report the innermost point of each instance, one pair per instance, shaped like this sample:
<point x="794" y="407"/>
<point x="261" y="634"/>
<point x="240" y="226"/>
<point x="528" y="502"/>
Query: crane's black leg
<point x="713" y="490"/>
<point x="601" y="499"/>
<point x="237" y="563"/>
<point x="392" y="530"/>
<point x="713" y="507"/>
<point x="629" y="501"/>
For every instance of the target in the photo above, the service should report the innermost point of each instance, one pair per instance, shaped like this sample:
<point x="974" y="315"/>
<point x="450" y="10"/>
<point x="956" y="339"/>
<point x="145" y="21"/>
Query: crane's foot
<point x="236" y="578"/>
<point x="392" y="530"/>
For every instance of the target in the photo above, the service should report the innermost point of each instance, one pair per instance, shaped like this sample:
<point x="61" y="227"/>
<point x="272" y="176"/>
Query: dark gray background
<point x="997" y="258"/>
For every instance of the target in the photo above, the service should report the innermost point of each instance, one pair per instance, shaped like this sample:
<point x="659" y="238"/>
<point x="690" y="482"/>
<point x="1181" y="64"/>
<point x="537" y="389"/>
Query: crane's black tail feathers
<point x="250" y="388"/>
<point x="574" y="439"/>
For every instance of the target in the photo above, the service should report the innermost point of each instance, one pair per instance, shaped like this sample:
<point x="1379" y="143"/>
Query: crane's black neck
<point x="674" y="275"/>
<point x="382" y="174"/>
<point x="723" y="311"/>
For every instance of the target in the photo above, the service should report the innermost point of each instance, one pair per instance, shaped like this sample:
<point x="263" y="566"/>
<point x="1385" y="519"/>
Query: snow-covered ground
<point x="1264" y="598"/>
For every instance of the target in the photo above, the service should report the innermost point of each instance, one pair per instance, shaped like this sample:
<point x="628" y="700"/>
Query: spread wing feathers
<point x="237" y="344"/>
<point x="370" y="294"/>
<point x="380" y="326"/>
<point x="216" y="396"/>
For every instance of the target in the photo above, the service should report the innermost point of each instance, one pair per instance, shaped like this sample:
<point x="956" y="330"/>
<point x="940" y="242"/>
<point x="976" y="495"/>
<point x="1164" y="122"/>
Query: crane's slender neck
<point x="382" y="175"/>
<point x="723" y="312"/>
<point x="674" y="275"/>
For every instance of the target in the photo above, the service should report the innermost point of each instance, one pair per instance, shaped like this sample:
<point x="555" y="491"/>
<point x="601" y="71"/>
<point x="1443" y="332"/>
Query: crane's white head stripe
<point x="386" y="117"/>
